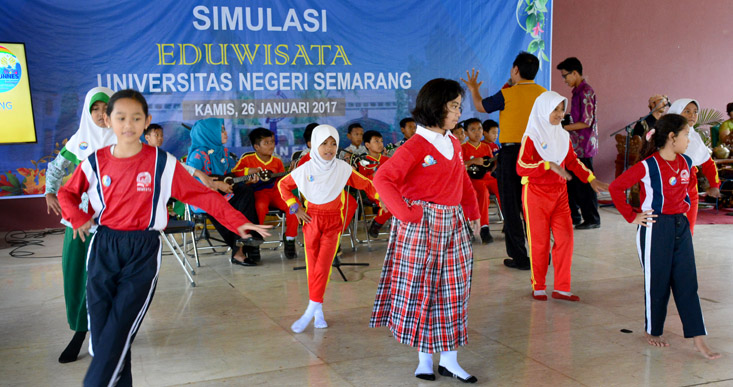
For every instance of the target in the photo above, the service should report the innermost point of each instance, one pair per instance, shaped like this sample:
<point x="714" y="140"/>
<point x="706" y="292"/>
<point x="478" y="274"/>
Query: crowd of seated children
<point x="266" y="195"/>
<point x="209" y="155"/>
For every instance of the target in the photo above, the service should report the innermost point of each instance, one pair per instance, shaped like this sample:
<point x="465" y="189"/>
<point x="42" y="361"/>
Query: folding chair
<point x="186" y="229"/>
<point x="498" y="208"/>
<point x="201" y="231"/>
<point x="277" y="219"/>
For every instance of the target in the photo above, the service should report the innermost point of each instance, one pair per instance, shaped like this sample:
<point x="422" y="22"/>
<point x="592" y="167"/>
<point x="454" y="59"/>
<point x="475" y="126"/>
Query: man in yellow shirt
<point x="514" y="103"/>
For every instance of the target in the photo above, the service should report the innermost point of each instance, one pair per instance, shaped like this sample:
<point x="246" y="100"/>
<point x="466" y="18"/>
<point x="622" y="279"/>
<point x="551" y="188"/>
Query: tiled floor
<point x="233" y="327"/>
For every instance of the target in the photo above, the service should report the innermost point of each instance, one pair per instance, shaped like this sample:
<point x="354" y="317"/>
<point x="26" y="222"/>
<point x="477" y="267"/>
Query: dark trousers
<point x="581" y="196"/>
<point x="510" y="191"/>
<point x="122" y="273"/>
<point x="668" y="260"/>
<point x="244" y="202"/>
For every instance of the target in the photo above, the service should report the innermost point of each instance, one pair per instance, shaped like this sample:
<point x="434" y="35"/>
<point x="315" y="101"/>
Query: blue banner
<point x="279" y="65"/>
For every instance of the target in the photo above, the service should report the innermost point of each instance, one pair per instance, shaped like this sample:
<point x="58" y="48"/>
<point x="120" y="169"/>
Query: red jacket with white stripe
<point x="132" y="193"/>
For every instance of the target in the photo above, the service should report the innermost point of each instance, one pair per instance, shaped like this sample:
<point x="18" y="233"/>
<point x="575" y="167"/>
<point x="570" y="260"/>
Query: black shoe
<point x="252" y="242"/>
<point x="486" y="237"/>
<point x="587" y="226"/>
<point x="246" y="262"/>
<point x="253" y="253"/>
<point x="374" y="229"/>
<point x="512" y="263"/>
<point x="289" y="249"/>
<point x="577" y="221"/>
<point x="444" y="371"/>
<point x="430" y="377"/>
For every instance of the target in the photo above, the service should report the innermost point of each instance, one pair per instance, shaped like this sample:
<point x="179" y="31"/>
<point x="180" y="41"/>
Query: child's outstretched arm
<point x="361" y="182"/>
<point x="186" y="189"/>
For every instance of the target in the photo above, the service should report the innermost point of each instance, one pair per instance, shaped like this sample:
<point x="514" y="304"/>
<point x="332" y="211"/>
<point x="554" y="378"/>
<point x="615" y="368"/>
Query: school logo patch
<point x="673" y="180"/>
<point x="428" y="161"/>
<point x="83" y="145"/>
<point x="106" y="180"/>
<point x="685" y="176"/>
<point x="311" y="178"/>
<point x="144" y="182"/>
<point x="543" y="145"/>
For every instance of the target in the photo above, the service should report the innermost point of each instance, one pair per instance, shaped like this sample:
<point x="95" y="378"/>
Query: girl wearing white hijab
<point x="700" y="156"/>
<point x="91" y="135"/>
<point x="545" y="153"/>
<point x="321" y="181"/>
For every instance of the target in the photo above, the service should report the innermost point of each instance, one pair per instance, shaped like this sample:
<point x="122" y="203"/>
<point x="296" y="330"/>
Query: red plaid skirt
<point x="426" y="279"/>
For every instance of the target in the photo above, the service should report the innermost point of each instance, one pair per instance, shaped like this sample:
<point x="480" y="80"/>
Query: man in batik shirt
<point x="584" y="136"/>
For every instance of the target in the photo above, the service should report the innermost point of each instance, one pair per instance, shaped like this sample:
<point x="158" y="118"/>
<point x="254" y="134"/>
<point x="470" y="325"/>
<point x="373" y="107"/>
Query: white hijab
<point x="551" y="141"/>
<point x="697" y="150"/>
<point x="322" y="181"/>
<point x="90" y="137"/>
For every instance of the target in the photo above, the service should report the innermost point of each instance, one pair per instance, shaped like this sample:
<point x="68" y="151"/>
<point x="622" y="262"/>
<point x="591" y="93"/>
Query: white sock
<point x="425" y="366"/>
<point x="320" y="321"/>
<point x="449" y="360"/>
<point x="287" y="238"/>
<point x="540" y="293"/>
<point x="563" y="293"/>
<point x="300" y="324"/>
<point x="486" y="225"/>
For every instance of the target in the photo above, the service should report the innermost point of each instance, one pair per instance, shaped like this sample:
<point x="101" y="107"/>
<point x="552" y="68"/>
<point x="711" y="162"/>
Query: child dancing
<point x="129" y="185"/>
<point x="545" y="153"/>
<point x="426" y="278"/>
<point x="321" y="181"/>
<point x="663" y="237"/>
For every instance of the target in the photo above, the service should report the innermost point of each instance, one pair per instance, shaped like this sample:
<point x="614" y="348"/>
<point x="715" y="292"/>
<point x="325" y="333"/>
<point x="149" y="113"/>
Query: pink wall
<point x="631" y="50"/>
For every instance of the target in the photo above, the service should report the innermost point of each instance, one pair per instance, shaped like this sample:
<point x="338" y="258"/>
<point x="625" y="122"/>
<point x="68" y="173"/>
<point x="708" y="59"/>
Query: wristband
<point x="294" y="208"/>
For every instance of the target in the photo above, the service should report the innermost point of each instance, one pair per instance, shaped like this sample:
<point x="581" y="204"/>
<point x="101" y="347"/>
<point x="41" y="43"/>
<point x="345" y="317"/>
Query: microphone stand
<point x="629" y="129"/>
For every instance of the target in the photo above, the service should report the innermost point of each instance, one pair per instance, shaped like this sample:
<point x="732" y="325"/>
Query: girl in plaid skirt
<point x="424" y="288"/>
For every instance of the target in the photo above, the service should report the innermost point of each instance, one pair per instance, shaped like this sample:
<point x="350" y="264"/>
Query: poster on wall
<point x="278" y="65"/>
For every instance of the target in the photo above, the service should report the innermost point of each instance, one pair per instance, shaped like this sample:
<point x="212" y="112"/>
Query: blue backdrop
<point x="278" y="64"/>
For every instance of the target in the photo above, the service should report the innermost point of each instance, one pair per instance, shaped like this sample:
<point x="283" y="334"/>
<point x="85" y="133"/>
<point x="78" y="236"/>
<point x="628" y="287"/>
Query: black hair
<point x="151" y="128"/>
<point x="729" y="108"/>
<point x="430" y="105"/>
<point x="471" y="121"/>
<point x="258" y="134"/>
<point x="571" y="64"/>
<point x="308" y="132"/>
<point x="354" y="126"/>
<point x="668" y="123"/>
<point x="369" y="134"/>
<point x="404" y="121"/>
<point x="127" y="93"/>
<point x="527" y="64"/>
<point x="488" y="124"/>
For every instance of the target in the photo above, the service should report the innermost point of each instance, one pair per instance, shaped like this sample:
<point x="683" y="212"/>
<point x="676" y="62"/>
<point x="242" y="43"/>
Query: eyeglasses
<point x="455" y="108"/>
<point x="565" y="75"/>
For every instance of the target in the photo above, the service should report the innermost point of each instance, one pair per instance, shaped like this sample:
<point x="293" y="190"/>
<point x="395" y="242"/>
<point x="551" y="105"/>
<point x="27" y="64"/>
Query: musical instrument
<point x="479" y="171"/>
<point x="264" y="176"/>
